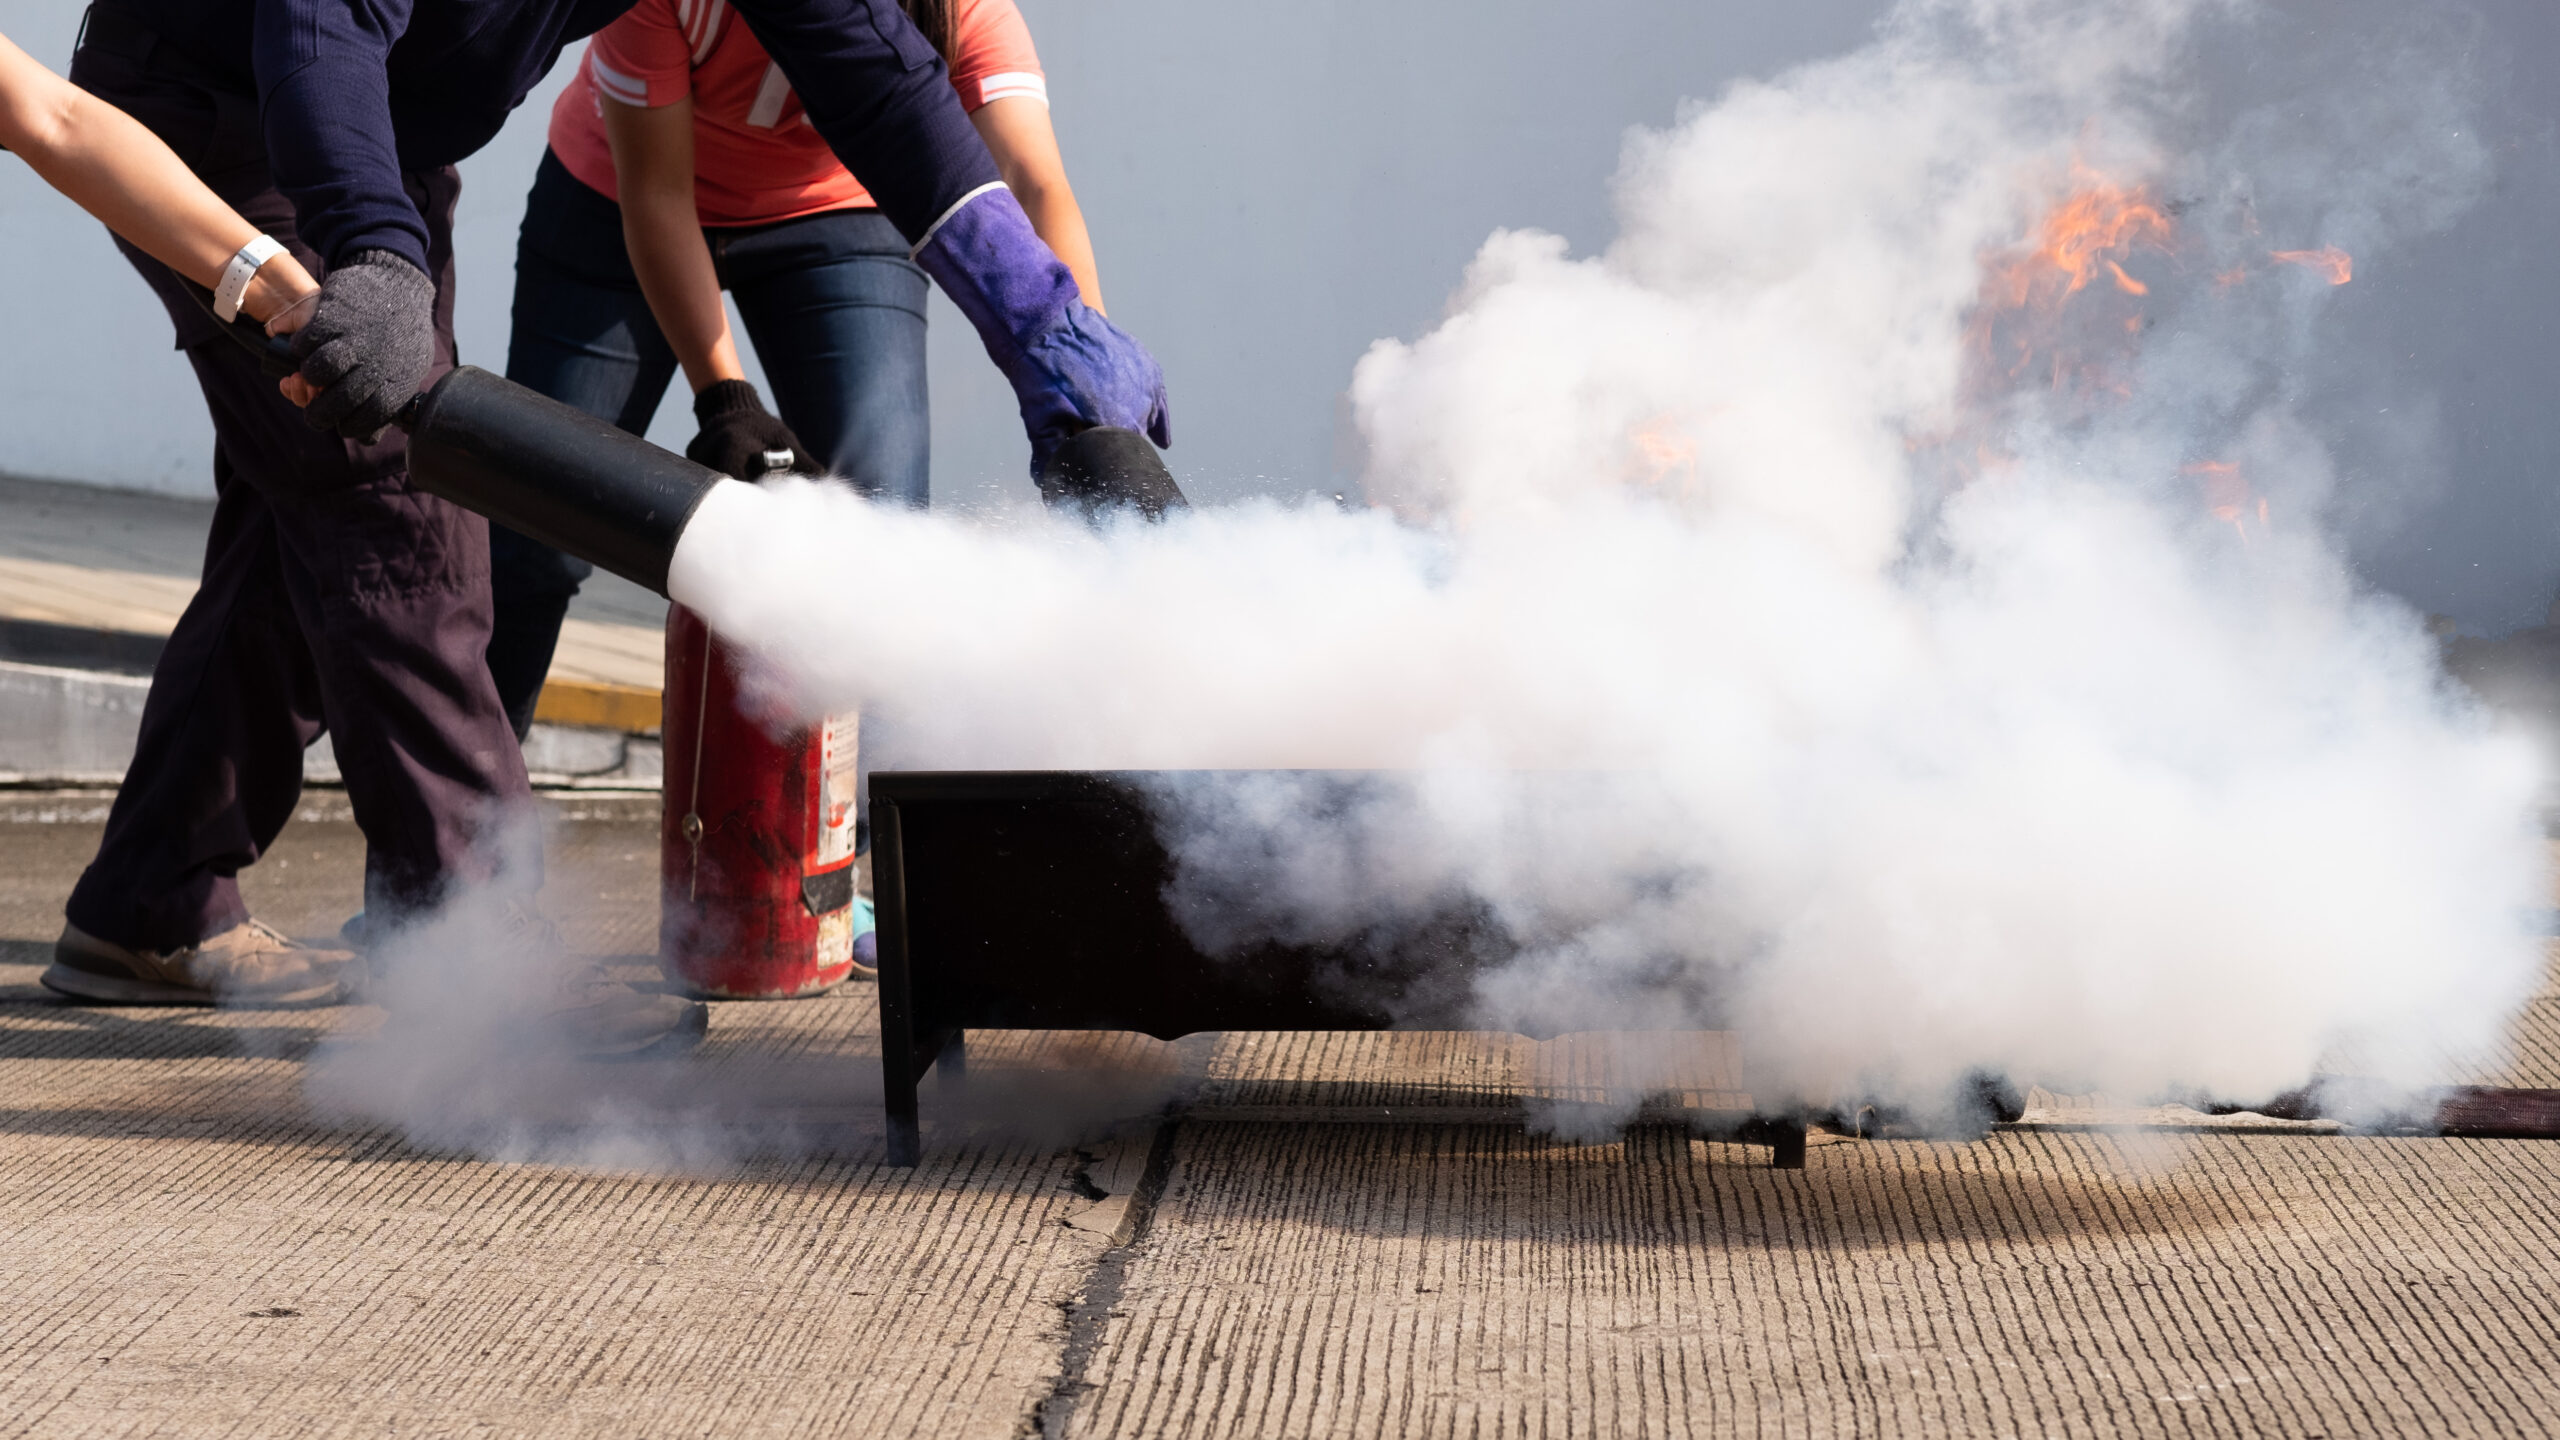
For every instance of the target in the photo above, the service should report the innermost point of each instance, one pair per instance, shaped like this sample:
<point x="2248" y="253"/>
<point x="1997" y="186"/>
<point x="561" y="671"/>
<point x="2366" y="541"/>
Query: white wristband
<point x="237" y="275"/>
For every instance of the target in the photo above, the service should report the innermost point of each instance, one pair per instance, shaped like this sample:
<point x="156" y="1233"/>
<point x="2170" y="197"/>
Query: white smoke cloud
<point x="1767" y="643"/>
<point x="474" y="1053"/>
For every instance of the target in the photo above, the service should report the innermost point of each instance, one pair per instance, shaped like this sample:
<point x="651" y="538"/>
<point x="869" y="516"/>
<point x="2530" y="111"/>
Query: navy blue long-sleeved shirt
<point x="353" y="91"/>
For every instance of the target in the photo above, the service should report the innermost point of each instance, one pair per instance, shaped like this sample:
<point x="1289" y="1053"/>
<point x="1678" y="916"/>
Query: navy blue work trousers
<point x="336" y="596"/>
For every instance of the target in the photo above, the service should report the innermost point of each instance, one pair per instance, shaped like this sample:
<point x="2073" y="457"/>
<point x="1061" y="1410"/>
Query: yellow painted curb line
<point x="592" y="703"/>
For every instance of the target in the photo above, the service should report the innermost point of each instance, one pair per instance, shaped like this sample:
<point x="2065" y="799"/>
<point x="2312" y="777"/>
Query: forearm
<point x="1060" y="221"/>
<point x="112" y="167"/>
<point x="653" y="176"/>
<point x="674" y="266"/>
<point x="1025" y="148"/>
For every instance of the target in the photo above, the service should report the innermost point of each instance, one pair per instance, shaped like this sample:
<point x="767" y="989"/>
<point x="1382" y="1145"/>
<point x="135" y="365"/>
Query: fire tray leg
<point x="906" y="1132"/>
<point x="1786" y="1147"/>
<point x="910" y="1042"/>
<point x="902" y="1073"/>
<point x="1784" y="1137"/>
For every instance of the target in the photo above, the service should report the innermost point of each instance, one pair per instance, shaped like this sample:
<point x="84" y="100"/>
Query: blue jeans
<point x="832" y="305"/>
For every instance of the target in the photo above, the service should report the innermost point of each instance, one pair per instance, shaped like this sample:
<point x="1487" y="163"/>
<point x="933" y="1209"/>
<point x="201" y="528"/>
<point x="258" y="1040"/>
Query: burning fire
<point x="2329" y="262"/>
<point x="2226" y="495"/>
<point x="2060" y="307"/>
<point x="2063" y="311"/>
<point x="2089" y="234"/>
<point x="1664" y="456"/>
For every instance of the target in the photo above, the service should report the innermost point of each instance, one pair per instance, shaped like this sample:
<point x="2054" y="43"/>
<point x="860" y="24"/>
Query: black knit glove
<point x="739" y="439"/>
<point x="368" y="345"/>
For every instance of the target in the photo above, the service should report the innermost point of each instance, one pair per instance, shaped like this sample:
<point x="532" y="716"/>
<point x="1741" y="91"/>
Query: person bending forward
<point x="681" y="164"/>
<point x="336" y="594"/>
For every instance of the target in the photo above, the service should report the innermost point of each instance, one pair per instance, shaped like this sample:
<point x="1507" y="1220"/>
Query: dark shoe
<point x="602" y="1018"/>
<point x="606" y="1019"/>
<point x="249" y="964"/>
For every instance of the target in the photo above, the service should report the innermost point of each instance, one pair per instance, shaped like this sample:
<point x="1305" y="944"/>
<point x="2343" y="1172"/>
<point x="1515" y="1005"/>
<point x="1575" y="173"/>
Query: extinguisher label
<point x="840" y="747"/>
<point x="835" y="938"/>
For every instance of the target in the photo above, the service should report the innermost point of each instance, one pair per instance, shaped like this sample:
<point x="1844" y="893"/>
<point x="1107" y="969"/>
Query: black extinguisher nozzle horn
<point x="554" y="473"/>
<point x="1107" y="468"/>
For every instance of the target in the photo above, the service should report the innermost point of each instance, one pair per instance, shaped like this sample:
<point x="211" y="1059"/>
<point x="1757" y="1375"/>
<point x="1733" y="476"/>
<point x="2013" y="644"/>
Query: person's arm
<point x="1019" y="136"/>
<point x="653" y="175"/>
<point x="324" y="97"/>
<point x="325" y="106"/>
<point x="118" y="171"/>
<point x="875" y="89"/>
<point x="661" y="228"/>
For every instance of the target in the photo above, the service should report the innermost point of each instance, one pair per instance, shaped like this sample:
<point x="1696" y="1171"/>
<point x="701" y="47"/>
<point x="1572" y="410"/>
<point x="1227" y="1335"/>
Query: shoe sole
<point x="61" y="979"/>
<point x="680" y="1040"/>
<point x="99" y="989"/>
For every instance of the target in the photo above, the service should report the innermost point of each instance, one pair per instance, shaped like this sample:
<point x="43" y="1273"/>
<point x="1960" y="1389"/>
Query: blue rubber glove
<point x="1071" y="368"/>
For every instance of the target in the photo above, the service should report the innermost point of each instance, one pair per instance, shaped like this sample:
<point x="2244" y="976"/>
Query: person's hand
<point x="1083" y="372"/>
<point x="287" y="319"/>
<point x="367" y="345"/>
<point x="739" y="439"/>
<point x="1071" y="369"/>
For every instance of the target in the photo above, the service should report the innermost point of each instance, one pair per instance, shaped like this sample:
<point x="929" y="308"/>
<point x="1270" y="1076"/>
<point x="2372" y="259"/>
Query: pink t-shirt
<point x="756" y="158"/>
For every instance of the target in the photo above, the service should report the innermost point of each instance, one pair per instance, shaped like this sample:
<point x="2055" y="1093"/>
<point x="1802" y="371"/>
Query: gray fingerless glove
<point x="368" y="345"/>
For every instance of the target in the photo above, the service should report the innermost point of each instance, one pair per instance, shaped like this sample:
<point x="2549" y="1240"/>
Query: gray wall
<point x="1271" y="188"/>
<point x="1274" y="186"/>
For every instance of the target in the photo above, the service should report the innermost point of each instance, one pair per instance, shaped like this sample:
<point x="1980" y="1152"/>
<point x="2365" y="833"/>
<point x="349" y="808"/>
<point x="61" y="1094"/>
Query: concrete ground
<point x="1265" y="1236"/>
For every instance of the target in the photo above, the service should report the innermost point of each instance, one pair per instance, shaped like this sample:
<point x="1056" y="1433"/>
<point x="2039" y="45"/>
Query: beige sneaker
<point x="248" y="964"/>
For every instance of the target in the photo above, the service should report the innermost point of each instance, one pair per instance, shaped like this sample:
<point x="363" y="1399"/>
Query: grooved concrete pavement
<point x="197" y="1243"/>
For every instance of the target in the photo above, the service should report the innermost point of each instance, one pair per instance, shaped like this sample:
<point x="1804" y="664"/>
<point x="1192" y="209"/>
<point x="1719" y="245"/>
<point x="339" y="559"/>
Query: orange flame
<point x="2226" y="494"/>
<point x="1663" y="455"/>
<point x="2027" y="321"/>
<point x="2085" y="235"/>
<point x="2329" y="262"/>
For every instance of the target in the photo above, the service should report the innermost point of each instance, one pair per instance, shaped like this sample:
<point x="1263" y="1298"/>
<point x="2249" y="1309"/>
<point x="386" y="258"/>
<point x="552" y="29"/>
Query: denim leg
<point x="837" y="314"/>
<point x="530" y="586"/>
<point x="583" y="335"/>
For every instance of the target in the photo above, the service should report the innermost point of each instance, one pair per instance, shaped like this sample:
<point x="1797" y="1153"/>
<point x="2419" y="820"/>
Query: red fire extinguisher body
<point x="756" y="849"/>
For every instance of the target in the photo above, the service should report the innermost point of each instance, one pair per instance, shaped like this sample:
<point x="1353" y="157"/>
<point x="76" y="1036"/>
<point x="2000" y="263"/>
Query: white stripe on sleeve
<point x="945" y="217"/>
<point x="770" y="98"/>
<point x="1008" y="84"/>
<point x="713" y="12"/>
<point x="625" y="88"/>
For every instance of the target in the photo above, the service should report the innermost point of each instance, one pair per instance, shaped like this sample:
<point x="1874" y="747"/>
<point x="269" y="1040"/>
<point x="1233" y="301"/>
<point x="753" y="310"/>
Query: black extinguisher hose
<point x="554" y="473"/>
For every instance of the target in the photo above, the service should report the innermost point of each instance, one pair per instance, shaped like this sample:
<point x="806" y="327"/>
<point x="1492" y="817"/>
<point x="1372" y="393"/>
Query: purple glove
<point x="1071" y="368"/>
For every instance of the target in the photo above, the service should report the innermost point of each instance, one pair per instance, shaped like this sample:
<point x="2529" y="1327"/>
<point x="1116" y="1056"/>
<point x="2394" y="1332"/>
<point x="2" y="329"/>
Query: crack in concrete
<point x="1090" y="1311"/>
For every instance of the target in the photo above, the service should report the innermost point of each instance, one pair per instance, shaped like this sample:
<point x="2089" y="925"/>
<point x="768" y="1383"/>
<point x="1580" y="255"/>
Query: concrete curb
<point x="88" y="805"/>
<point x="66" y="728"/>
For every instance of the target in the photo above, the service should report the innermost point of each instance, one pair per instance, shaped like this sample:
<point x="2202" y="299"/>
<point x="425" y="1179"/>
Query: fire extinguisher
<point x="756" y="851"/>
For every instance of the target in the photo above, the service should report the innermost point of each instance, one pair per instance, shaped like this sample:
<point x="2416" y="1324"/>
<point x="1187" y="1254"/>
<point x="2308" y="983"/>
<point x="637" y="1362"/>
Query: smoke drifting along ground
<point x="1880" y="603"/>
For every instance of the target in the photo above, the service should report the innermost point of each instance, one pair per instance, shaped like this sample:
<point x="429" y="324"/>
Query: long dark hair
<point x="935" y="19"/>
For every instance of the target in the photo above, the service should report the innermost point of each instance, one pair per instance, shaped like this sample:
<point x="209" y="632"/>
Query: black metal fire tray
<point x="1038" y="900"/>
